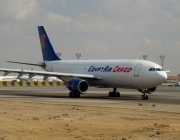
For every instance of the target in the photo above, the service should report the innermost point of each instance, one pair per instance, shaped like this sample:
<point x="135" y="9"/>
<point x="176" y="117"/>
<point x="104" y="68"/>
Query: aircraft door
<point x="137" y="70"/>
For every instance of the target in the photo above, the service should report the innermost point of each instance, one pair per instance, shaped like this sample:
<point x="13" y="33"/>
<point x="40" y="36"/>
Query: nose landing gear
<point x="144" y="96"/>
<point x="114" y="93"/>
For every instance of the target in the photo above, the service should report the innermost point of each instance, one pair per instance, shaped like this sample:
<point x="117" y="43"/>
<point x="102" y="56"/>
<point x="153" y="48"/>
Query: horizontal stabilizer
<point x="41" y="65"/>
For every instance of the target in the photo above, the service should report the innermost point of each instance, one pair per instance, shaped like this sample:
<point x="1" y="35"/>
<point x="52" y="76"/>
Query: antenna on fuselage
<point x="78" y="55"/>
<point x="144" y="57"/>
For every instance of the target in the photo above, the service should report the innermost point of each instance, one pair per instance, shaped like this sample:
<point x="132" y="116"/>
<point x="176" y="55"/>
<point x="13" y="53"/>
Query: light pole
<point x="144" y="57"/>
<point x="162" y="57"/>
<point x="78" y="55"/>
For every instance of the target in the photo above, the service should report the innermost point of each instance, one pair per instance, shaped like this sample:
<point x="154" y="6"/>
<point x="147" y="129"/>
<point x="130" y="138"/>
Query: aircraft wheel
<point x="77" y="95"/>
<point x="110" y="94"/>
<point x="142" y="97"/>
<point x="70" y="94"/>
<point x="117" y="94"/>
<point x="114" y="94"/>
<point x="74" y="95"/>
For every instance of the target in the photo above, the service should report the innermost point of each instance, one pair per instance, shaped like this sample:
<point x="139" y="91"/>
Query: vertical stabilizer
<point x="46" y="47"/>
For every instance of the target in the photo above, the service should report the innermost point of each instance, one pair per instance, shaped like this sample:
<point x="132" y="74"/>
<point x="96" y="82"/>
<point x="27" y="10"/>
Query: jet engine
<point x="77" y="85"/>
<point x="149" y="90"/>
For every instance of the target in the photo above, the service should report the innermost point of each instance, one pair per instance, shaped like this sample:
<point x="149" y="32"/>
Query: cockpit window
<point x="152" y="69"/>
<point x="158" y="69"/>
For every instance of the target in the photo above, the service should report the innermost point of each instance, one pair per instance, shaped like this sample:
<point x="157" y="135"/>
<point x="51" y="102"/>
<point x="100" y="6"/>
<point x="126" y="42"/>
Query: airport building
<point x="172" y="80"/>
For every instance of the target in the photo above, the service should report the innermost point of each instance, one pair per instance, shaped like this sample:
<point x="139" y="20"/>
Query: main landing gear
<point x="114" y="93"/>
<point x="144" y="96"/>
<point x="74" y="95"/>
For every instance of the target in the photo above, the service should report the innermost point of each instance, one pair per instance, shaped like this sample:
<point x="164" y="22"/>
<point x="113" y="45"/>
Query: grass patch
<point x="158" y="133"/>
<point x="140" y="104"/>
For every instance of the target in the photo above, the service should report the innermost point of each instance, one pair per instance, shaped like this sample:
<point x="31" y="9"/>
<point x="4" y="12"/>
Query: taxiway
<point x="164" y="99"/>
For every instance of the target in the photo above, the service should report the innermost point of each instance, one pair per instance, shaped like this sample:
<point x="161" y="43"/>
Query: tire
<point x="70" y="94"/>
<point x="77" y="95"/>
<point x="117" y="94"/>
<point x="110" y="94"/>
<point x="142" y="97"/>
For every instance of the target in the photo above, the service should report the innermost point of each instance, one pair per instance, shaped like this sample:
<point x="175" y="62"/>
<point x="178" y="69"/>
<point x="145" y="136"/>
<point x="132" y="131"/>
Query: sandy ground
<point x="30" y="121"/>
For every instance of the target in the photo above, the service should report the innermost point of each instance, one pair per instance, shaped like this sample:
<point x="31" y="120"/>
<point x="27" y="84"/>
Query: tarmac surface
<point x="166" y="99"/>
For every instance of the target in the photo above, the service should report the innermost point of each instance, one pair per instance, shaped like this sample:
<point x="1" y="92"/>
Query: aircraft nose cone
<point x="163" y="76"/>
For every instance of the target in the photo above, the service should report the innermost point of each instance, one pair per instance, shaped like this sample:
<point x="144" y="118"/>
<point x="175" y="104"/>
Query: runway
<point x="164" y="99"/>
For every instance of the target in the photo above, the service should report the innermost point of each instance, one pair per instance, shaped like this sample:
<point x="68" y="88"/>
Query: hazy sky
<point x="98" y="29"/>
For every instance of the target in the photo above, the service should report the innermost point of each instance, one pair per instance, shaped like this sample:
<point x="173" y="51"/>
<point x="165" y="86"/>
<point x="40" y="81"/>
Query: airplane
<point x="78" y="75"/>
<point x="37" y="78"/>
<point x="12" y="78"/>
<point x="27" y="78"/>
<point x="7" y="78"/>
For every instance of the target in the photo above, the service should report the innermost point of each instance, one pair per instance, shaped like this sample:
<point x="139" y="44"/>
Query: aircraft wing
<point x="46" y="74"/>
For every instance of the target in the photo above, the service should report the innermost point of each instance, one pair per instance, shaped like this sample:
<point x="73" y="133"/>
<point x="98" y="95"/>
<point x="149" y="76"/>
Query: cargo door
<point x="137" y="70"/>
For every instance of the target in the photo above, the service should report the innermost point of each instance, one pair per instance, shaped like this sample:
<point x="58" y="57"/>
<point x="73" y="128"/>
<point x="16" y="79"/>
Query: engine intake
<point x="77" y="85"/>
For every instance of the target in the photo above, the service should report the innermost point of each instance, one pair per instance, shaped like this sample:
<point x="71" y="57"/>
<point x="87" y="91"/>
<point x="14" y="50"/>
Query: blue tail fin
<point x="47" y="49"/>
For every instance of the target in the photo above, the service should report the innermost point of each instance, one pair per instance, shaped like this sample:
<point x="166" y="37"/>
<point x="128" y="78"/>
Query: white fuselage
<point x="112" y="73"/>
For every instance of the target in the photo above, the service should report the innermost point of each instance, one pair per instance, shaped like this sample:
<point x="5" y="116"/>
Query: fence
<point x="31" y="83"/>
